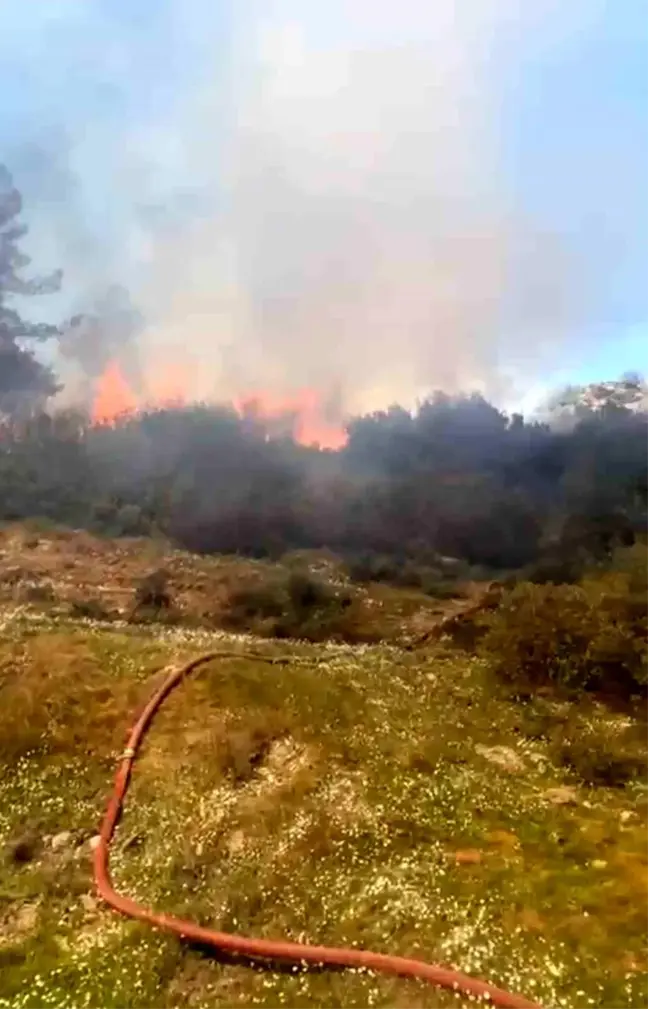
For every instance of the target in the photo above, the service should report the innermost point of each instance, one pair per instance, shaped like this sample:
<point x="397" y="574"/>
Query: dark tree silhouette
<point x="24" y="381"/>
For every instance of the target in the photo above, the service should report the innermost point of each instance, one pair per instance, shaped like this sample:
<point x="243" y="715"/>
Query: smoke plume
<point x="308" y="196"/>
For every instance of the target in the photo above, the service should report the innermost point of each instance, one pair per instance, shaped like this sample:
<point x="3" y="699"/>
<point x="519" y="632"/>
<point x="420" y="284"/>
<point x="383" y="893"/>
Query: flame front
<point x="304" y="408"/>
<point x="113" y="396"/>
<point x="302" y="411"/>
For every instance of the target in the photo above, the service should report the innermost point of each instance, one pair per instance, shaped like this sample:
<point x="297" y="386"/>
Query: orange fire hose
<point x="261" y="949"/>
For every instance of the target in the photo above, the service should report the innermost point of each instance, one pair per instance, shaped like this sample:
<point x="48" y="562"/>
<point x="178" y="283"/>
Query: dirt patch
<point x="19" y="921"/>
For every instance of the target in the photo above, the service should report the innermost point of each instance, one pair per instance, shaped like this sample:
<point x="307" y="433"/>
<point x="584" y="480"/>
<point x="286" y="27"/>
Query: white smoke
<point x="321" y="200"/>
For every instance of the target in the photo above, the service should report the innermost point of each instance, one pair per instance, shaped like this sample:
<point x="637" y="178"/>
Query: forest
<point x="455" y="485"/>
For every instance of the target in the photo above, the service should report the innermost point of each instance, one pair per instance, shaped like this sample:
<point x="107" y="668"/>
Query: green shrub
<point x="555" y="570"/>
<point x="372" y="568"/>
<point x="306" y="593"/>
<point x="598" y="747"/>
<point x="591" y="635"/>
<point x="297" y="606"/>
<point x="152" y="598"/>
<point x="258" y="600"/>
<point x="598" y="759"/>
<point x="130" y="521"/>
<point x="407" y="574"/>
<point x="442" y="590"/>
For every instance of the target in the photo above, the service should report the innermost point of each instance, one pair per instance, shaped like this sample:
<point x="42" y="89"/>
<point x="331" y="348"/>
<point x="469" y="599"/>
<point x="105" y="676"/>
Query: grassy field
<point x="353" y="795"/>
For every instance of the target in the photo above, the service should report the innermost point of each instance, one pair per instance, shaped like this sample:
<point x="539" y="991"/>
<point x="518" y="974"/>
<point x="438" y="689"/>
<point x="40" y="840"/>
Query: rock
<point x="626" y="815"/>
<point x="504" y="839"/>
<point x="502" y="756"/>
<point x="563" y="795"/>
<point x="236" y="842"/>
<point x="469" y="856"/>
<point x="27" y="918"/>
<point x="61" y="840"/>
<point x="94" y="842"/>
<point x="89" y="903"/>
<point x="599" y="863"/>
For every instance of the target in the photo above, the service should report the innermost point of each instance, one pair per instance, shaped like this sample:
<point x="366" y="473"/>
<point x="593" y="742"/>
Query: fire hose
<point x="260" y="949"/>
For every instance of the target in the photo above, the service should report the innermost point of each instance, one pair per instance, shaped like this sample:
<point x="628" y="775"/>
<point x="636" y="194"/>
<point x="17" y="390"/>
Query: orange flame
<point x="113" y="397"/>
<point x="166" y="387"/>
<point x="301" y="413"/>
<point x="309" y="423"/>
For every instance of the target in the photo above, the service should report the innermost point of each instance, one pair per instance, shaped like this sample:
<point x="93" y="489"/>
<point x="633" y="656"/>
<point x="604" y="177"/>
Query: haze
<point x="369" y="200"/>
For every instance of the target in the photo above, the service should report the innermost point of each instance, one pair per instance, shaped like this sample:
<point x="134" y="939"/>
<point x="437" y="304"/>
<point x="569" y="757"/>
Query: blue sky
<point x="116" y="117"/>
<point x="576" y="138"/>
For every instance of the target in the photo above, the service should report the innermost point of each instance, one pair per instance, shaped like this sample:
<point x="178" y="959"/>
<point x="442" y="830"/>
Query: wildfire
<point x="304" y="410"/>
<point x="113" y="396"/>
<point x="302" y="413"/>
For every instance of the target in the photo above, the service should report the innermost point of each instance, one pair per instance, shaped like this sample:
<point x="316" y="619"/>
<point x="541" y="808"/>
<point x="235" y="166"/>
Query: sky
<point x="372" y="199"/>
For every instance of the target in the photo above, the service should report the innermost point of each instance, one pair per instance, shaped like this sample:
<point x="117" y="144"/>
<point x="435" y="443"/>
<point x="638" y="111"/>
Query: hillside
<point x="373" y="794"/>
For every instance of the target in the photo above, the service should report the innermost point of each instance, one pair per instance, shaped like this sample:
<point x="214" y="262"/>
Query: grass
<point x="346" y="796"/>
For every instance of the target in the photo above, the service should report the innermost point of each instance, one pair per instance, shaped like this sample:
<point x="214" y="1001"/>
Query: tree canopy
<point x="24" y="381"/>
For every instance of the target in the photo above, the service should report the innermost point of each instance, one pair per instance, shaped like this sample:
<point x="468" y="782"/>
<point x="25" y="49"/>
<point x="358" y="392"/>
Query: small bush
<point x="14" y="575"/>
<point x="102" y="514"/>
<point x="42" y="592"/>
<point x="152" y="596"/>
<point x="244" y="747"/>
<point x="600" y="760"/>
<point x="597" y="748"/>
<point x="130" y="521"/>
<point x="315" y="611"/>
<point x="90" y="609"/>
<point x="591" y="635"/>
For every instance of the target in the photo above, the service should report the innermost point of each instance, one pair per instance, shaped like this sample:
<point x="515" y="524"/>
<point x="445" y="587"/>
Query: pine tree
<point x="24" y="381"/>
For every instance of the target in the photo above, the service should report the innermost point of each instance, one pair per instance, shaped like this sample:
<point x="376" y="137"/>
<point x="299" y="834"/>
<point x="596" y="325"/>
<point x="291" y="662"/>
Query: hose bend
<point x="250" y="948"/>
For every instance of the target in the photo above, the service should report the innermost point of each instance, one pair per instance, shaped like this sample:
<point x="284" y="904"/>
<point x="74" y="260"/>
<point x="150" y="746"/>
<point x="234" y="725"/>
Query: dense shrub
<point x="555" y="570"/>
<point x="421" y="496"/>
<point x="597" y="747"/>
<point x="297" y="606"/>
<point x="404" y="574"/>
<point x="257" y="600"/>
<point x="368" y="567"/>
<point x="590" y="635"/>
